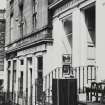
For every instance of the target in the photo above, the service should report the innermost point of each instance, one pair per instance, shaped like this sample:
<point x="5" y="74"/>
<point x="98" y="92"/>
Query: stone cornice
<point x="54" y="3"/>
<point x="23" y="46"/>
<point x="59" y="3"/>
<point x="34" y="39"/>
<point x="34" y="33"/>
<point x="69" y="5"/>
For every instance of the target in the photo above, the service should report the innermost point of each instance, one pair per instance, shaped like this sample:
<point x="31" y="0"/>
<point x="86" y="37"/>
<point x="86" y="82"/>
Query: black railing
<point x="39" y="89"/>
<point x="43" y="87"/>
<point x="6" y="98"/>
<point x="21" y="98"/>
<point x="2" y="98"/>
<point x="85" y="75"/>
<point x="9" y="98"/>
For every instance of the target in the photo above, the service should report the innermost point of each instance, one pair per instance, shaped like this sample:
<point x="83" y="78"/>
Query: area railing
<point x="85" y="75"/>
<point x="43" y="87"/>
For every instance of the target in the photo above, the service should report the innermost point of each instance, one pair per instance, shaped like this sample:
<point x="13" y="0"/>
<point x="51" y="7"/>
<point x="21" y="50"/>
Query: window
<point x="14" y="75"/>
<point x="8" y="85"/>
<point x="21" y="21"/>
<point x="21" y="83"/>
<point x="14" y="65"/>
<point x="34" y="5"/>
<point x="14" y="71"/>
<point x="90" y="19"/>
<point x="31" y="85"/>
<point x="67" y="23"/>
<point x="20" y="3"/>
<point x="34" y="21"/>
<point x="2" y="26"/>
<point x="40" y="79"/>
<point x="22" y="62"/>
<point x="11" y="27"/>
<point x="11" y="20"/>
<point x="40" y="67"/>
<point x="11" y="1"/>
<point x="11" y="7"/>
<point x="30" y="60"/>
<point x="40" y="63"/>
<point x="9" y="64"/>
<point x="34" y="14"/>
<point x="90" y="23"/>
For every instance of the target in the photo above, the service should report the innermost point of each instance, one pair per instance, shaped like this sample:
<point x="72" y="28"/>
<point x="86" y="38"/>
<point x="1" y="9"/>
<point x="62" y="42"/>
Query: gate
<point x="64" y="91"/>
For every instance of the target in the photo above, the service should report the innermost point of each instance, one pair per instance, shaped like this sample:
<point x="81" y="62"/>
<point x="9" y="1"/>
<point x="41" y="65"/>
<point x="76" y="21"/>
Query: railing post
<point x="79" y="80"/>
<point x="49" y="90"/>
<point x="75" y="70"/>
<point x="35" y="91"/>
<point x="95" y="72"/>
<point x="91" y="74"/>
<point x="62" y="71"/>
<point x="87" y="75"/>
<point x="52" y="74"/>
<point x="55" y="73"/>
<point x="58" y="73"/>
<point x="83" y="79"/>
<point x="45" y="83"/>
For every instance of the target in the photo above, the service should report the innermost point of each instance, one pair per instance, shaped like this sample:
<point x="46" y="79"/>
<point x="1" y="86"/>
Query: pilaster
<point x="17" y="78"/>
<point x="11" y="76"/>
<point x="5" y="74"/>
<point x="34" y="76"/>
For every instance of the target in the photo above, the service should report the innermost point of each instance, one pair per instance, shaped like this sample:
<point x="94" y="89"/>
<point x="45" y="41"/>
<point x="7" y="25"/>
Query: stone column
<point x="11" y="76"/>
<point x="25" y="81"/>
<point x="17" y="78"/>
<point x="34" y="76"/>
<point x="100" y="39"/>
<point x="76" y="38"/>
<point x="5" y="75"/>
<point x="83" y="40"/>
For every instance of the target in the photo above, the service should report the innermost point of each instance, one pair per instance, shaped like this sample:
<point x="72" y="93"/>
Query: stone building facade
<point x="2" y="44"/>
<point x="45" y="39"/>
<point x="28" y="34"/>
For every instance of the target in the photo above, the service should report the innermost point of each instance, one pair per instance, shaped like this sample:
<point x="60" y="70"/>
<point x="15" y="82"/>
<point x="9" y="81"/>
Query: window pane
<point x="68" y="25"/>
<point x="40" y="63"/>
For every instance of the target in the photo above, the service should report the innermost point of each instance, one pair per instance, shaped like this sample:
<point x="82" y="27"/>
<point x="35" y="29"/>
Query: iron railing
<point x="43" y="87"/>
<point x="6" y="98"/>
<point x="85" y="75"/>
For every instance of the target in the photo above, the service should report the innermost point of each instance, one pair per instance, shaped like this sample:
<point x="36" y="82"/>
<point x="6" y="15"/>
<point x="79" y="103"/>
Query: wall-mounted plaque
<point x="66" y="69"/>
<point x="66" y="58"/>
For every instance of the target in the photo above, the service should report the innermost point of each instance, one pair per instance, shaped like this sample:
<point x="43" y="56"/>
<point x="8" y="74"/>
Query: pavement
<point x="94" y="103"/>
<point x="82" y="100"/>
